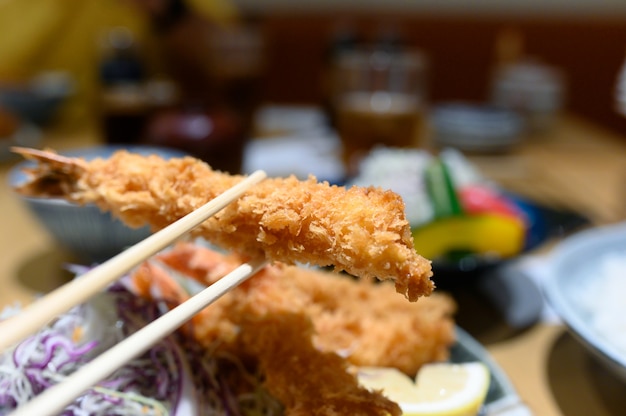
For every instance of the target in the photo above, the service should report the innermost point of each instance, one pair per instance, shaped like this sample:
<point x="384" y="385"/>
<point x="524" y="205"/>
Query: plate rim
<point x="510" y="399"/>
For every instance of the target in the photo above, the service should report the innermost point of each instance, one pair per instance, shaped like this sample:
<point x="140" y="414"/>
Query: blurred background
<point x="86" y="49"/>
<point x="465" y="40"/>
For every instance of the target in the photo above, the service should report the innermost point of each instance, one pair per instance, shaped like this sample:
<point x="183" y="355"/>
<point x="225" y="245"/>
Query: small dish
<point x="303" y="154"/>
<point x="475" y="127"/>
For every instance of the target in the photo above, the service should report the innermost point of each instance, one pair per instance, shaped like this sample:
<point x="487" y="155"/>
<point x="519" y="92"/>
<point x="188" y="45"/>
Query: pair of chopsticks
<point x="41" y="312"/>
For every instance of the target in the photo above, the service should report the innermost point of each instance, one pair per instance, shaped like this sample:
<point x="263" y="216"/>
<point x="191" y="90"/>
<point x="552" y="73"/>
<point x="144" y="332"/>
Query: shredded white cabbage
<point x="402" y="171"/>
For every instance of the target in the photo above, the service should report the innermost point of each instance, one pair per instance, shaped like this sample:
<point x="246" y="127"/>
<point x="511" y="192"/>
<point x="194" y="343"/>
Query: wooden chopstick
<point x="53" y="400"/>
<point x="59" y="301"/>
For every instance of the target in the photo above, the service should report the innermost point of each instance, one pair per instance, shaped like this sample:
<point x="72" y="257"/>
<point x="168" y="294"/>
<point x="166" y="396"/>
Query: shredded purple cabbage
<point x="159" y="382"/>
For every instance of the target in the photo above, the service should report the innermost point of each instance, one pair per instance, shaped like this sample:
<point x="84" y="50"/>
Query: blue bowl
<point x="88" y="233"/>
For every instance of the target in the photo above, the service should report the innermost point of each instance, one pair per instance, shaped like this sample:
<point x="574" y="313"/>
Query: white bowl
<point x="88" y="233"/>
<point x="576" y="266"/>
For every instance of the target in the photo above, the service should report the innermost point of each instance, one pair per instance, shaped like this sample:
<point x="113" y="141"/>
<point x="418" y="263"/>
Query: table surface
<point x="577" y="165"/>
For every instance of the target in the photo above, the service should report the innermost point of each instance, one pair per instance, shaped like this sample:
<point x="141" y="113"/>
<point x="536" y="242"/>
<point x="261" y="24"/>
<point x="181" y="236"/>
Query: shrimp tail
<point x="54" y="175"/>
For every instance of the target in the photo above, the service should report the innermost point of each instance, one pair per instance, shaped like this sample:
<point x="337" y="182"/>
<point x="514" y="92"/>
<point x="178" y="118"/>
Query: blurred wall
<point x="585" y="38"/>
<point x="482" y="7"/>
<point x="67" y="36"/>
<point x="41" y="35"/>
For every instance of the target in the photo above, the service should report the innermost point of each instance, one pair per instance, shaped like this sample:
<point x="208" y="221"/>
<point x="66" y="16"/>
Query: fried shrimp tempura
<point x="364" y="321"/>
<point x="304" y="329"/>
<point x="362" y="231"/>
<point x="308" y="382"/>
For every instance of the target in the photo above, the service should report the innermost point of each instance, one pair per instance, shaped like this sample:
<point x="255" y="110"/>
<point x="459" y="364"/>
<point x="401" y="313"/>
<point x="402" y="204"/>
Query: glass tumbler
<point x="379" y="98"/>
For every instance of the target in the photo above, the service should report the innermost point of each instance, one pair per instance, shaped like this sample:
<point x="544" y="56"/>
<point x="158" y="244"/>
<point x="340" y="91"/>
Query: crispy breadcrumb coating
<point x="362" y="231"/>
<point x="308" y="382"/>
<point x="363" y="320"/>
<point x="304" y="329"/>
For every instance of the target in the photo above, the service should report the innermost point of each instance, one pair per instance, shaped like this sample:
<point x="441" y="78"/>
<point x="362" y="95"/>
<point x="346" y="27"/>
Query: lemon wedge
<point x="441" y="389"/>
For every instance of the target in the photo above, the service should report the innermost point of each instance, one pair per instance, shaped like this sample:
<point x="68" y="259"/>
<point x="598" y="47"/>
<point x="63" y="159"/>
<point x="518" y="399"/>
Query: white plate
<point x="575" y="264"/>
<point x="314" y="152"/>
<point x="288" y="119"/>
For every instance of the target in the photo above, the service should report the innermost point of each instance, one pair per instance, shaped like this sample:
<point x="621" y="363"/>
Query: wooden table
<point x="577" y="165"/>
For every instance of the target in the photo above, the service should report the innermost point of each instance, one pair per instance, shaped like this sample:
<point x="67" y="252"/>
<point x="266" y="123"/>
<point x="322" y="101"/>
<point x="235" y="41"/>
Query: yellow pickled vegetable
<point x="485" y="234"/>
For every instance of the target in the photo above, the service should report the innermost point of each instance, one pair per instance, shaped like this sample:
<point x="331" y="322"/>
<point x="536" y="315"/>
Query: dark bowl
<point x="475" y="127"/>
<point x="544" y="223"/>
<point x="497" y="297"/>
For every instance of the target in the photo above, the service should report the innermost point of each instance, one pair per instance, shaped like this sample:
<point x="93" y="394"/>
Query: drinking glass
<point x="379" y="99"/>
